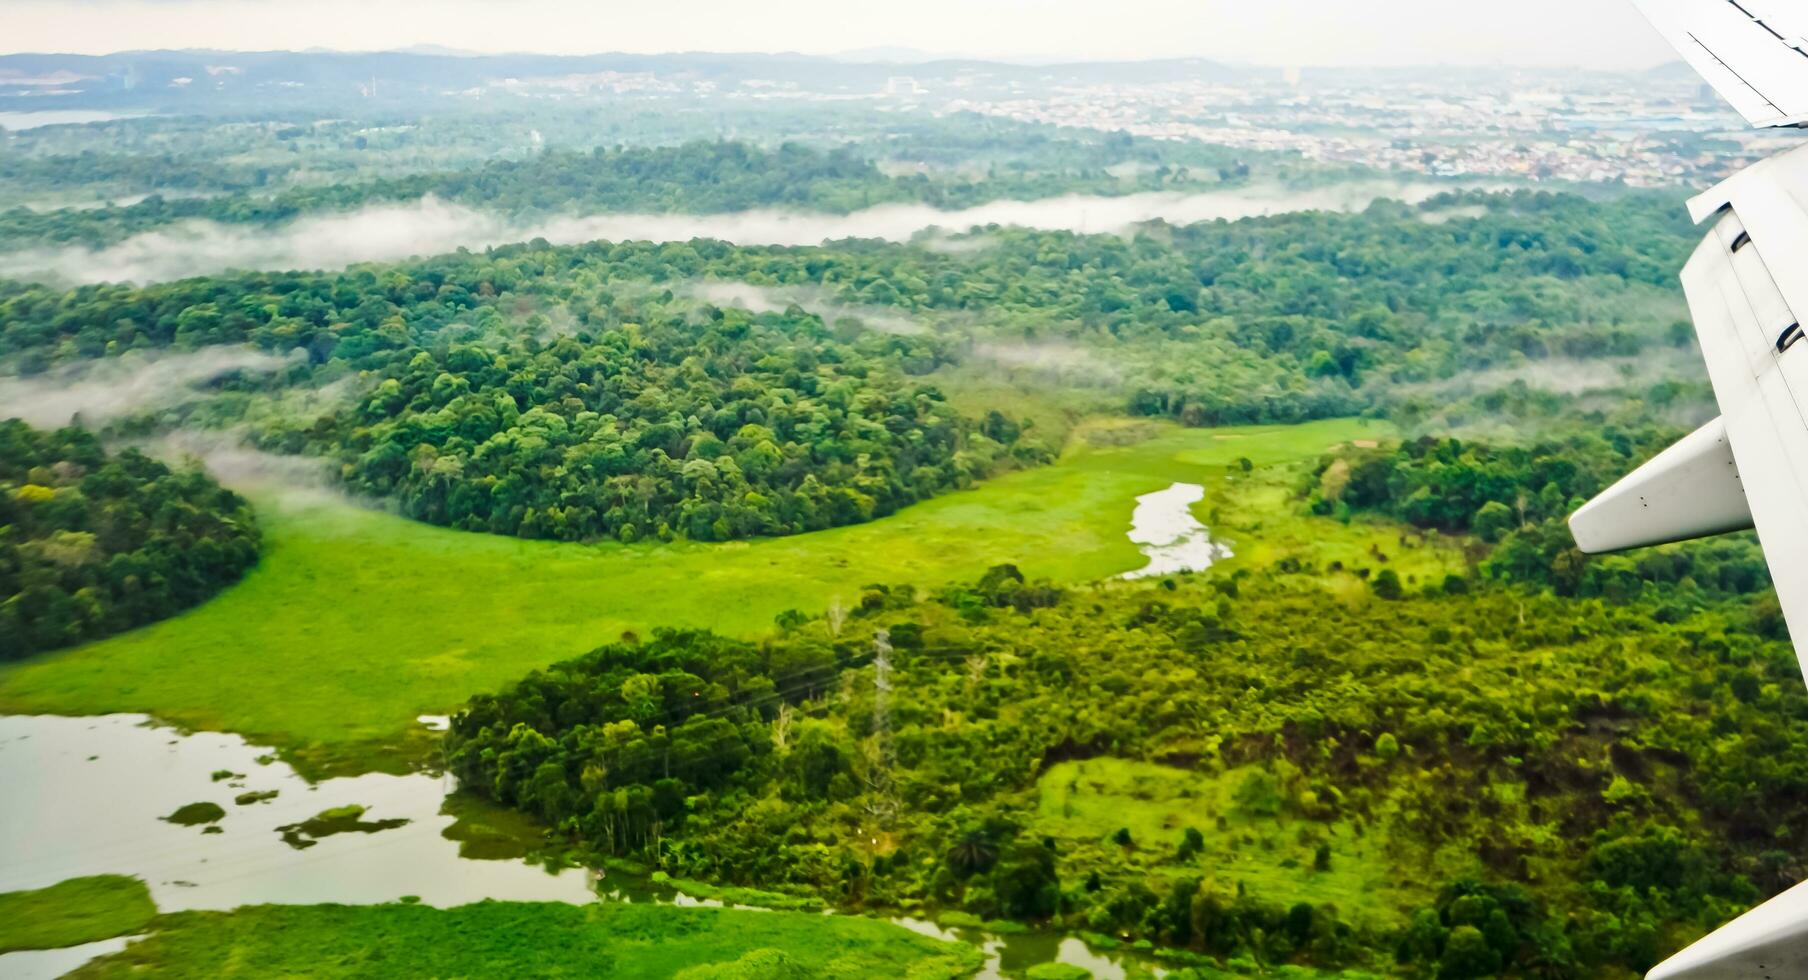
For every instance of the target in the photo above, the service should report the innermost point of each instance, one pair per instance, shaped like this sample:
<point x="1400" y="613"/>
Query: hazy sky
<point x="1602" y="33"/>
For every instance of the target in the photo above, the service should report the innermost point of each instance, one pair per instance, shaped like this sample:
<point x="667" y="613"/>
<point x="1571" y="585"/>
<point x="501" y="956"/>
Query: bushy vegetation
<point x="1537" y="775"/>
<point x="363" y="579"/>
<point x="1408" y="729"/>
<point x="92" y="543"/>
<point x="1519" y="497"/>
<point x="69" y="913"/>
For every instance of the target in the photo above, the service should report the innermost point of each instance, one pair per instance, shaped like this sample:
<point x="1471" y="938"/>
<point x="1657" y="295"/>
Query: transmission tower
<point x="884" y="802"/>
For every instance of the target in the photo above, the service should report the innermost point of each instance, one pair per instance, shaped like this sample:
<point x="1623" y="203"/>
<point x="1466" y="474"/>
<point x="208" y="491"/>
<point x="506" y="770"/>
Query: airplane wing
<point x="1754" y="52"/>
<point x="1747" y="286"/>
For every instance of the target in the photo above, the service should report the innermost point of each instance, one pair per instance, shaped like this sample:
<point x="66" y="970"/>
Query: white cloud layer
<point x="135" y="382"/>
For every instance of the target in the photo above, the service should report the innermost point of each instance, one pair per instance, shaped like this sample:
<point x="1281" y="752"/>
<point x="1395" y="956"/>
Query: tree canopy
<point x="92" y="543"/>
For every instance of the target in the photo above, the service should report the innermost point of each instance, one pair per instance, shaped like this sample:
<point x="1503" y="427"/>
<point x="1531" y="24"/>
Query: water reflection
<point x="1170" y="536"/>
<point x="1006" y="955"/>
<point x="86" y="796"/>
<point x="1010" y="955"/>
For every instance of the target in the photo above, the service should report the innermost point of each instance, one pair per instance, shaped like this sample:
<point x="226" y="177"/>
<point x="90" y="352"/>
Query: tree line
<point x="92" y="543"/>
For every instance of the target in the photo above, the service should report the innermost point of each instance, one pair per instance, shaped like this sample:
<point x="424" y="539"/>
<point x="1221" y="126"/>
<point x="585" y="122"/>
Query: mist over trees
<point x="579" y="391"/>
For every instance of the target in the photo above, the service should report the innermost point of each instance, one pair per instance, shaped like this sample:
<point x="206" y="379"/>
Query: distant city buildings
<point x="1597" y="129"/>
<point x="902" y="85"/>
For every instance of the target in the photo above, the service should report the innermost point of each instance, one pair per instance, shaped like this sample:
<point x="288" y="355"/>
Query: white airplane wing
<point x="1755" y="52"/>
<point x="1747" y="286"/>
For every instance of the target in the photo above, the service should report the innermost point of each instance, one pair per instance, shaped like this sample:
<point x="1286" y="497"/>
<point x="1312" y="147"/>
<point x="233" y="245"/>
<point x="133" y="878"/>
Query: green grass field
<point x="357" y="621"/>
<point x="69" y="913"/>
<point x="505" y="939"/>
<point x="1084" y="803"/>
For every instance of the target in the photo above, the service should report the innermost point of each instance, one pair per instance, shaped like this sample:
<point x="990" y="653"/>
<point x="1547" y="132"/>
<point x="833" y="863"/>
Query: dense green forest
<point x="272" y="153"/>
<point x="1532" y="763"/>
<point x="1506" y="782"/>
<point x="700" y="177"/>
<point x="93" y="542"/>
<point x="733" y="427"/>
<point x="508" y="382"/>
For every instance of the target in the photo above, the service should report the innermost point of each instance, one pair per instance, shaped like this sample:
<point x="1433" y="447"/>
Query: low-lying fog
<point x="777" y="299"/>
<point x="134" y="382"/>
<point x="431" y="226"/>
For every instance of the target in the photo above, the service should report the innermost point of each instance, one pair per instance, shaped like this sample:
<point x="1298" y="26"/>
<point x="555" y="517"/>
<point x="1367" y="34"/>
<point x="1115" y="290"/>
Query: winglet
<point x="1690" y="490"/>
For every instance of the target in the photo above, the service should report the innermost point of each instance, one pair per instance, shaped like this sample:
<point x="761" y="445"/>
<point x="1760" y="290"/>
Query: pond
<point x="46" y="964"/>
<point x="93" y="795"/>
<point x="1169" y="536"/>
<point x="87" y="796"/>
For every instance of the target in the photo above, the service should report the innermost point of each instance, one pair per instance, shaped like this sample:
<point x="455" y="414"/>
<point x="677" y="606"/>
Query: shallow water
<point x="1006" y="955"/>
<point x="86" y="796"/>
<point x="1167" y="533"/>
<point x="1013" y="954"/>
<point x="44" y="964"/>
<point x="429" y="226"/>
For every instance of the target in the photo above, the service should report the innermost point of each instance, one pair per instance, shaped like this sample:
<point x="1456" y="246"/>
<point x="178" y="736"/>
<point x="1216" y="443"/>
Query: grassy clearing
<point x="1259" y="515"/>
<point x="356" y="621"/>
<point x="507" y="940"/>
<point x="80" y="910"/>
<point x="1260" y="847"/>
<point x="1048" y="413"/>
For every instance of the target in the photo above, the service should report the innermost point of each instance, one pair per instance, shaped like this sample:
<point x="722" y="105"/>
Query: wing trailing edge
<point x="1690" y="490"/>
<point x="1770" y="941"/>
<point x="1754" y="52"/>
<point x="1747" y="286"/>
